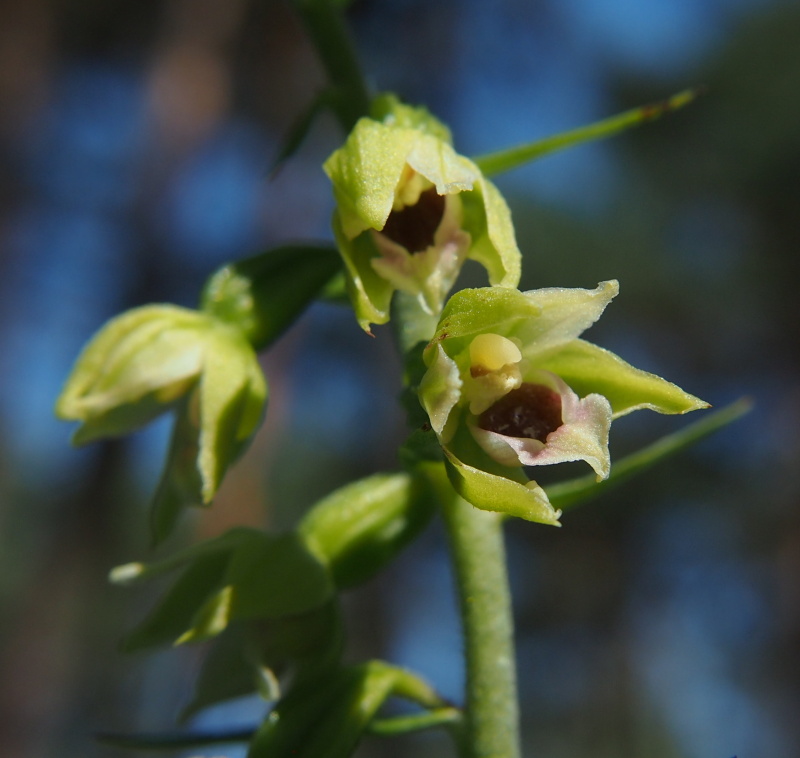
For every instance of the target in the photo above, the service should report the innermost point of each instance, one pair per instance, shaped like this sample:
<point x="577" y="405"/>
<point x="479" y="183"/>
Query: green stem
<point x="325" y="25"/>
<point x="478" y="555"/>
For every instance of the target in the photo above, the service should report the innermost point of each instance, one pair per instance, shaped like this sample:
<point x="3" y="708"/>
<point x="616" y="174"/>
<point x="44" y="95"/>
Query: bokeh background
<point x="136" y="139"/>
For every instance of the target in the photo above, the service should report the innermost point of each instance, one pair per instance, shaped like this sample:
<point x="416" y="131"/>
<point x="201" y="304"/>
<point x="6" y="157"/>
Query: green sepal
<point x="359" y="528"/>
<point x="588" y="368"/>
<point x="326" y="717"/>
<point x="519" y="155"/>
<point x="263" y="295"/>
<point x="576" y="491"/>
<point x="274" y="576"/>
<point x="242" y="575"/>
<point x="489" y="486"/>
<point x="370" y="294"/>
<point x="232" y="398"/>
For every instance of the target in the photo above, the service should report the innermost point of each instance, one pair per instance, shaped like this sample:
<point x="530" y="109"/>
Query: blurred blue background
<point x="136" y="140"/>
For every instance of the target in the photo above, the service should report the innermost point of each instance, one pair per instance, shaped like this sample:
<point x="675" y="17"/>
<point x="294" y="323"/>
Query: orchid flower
<point x="510" y="384"/>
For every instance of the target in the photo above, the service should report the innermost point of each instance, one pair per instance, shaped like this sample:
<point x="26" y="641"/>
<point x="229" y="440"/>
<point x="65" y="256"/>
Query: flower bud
<point x="159" y="357"/>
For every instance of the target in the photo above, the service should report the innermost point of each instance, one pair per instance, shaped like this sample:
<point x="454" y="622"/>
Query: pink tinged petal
<point x="582" y="437"/>
<point x="440" y="390"/>
<point x="559" y="427"/>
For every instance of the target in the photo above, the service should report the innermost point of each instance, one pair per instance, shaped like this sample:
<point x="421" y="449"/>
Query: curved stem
<point x="478" y="555"/>
<point x="325" y="25"/>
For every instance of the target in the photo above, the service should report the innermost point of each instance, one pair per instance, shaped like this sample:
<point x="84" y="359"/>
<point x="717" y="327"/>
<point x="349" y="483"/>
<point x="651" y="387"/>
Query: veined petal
<point x="588" y="368"/>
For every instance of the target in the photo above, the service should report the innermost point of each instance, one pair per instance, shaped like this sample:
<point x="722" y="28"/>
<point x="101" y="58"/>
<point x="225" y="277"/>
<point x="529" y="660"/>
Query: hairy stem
<point x="478" y="555"/>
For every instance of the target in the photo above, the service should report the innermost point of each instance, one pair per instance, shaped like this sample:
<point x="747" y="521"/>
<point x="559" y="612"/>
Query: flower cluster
<point x="509" y="383"/>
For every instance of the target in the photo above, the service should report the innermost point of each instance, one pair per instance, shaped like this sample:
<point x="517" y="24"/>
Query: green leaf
<point x="129" y="573"/>
<point x="511" y="158"/>
<point x="327" y="717"/>
<point x="568" y="494"/>
<point x="263" y="295"/>
<point x="227" y="672"/>
<point x="588" y="368"/>
<point x="360" y="528"/>
<point x="449" y="717"/>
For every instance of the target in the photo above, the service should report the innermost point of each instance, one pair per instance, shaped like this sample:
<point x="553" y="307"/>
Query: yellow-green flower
<point x="510" y="384"/>
<point x="410" y="211"/>
<point x="158" y="357"/>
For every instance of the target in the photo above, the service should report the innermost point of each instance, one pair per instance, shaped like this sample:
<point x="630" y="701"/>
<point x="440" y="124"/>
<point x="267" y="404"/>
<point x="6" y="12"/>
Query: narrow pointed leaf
<point x="514" y="157"/>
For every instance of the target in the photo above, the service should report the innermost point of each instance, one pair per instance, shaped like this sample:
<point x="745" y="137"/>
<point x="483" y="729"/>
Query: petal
<point x="369" y="292"/>
<point x="367" y="170"/>
<point x="588" y="368"/>
<point x="564" y="314"/>
<point x="440" y="389"/>
<point x="494" y="244"/>
<point x="496" y="310"/>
